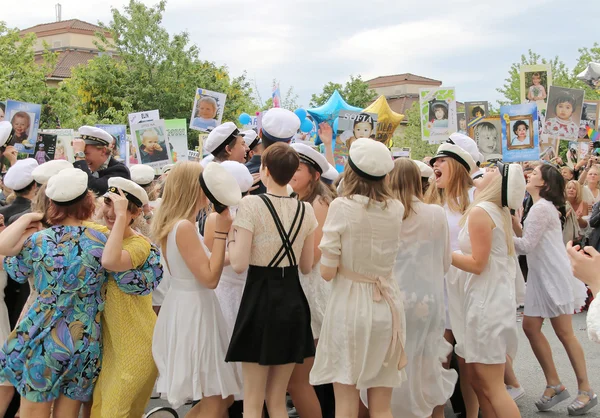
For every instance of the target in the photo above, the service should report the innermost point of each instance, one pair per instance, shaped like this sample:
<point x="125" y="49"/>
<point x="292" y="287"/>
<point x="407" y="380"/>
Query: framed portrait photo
<point x="521" y="132"/>
<point x="535" y="84"/>
<point x="487" y="133"/>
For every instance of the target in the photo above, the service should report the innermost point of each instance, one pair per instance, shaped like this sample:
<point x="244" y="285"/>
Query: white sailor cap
<point x="468" y="144"/>
<point x="426" y="171"/>
<point x="166" y="168"/>
<point x="251" y="138"/>
<point x="513" y="185"/>
<point x="132" y="191"/>
<point x="455" y="152"/>
<point x="6" y="132"/>
<point x="370" y="159"/>
<point x="67" y="186"/>
<point x="279" y="125"/>
<point x="241" y="173"/>
<point x="142" y="174"/>
<point x="43" y="172"/>
<point x="223" y="135"/>
<point x="330" y="175"/>
<point x="95" y="136"/>
<point x="20" y="175"/>
<point x="311" y="157"/>
<point x="220" y="187"/>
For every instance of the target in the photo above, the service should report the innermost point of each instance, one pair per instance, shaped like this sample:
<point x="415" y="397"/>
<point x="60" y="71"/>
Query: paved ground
<point x="530" y="374"/>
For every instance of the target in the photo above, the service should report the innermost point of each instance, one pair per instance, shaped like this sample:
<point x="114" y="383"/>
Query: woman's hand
<point x="11" y="154"/>
<point x="120" y="203"/>
<point x="325" y="133"/>
<point x="224" y="221"/>
<point x="586" y="265"/>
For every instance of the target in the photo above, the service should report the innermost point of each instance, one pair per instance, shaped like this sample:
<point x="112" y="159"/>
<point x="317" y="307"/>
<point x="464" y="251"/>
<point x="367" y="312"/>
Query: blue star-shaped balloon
<point x="330" y="111"/>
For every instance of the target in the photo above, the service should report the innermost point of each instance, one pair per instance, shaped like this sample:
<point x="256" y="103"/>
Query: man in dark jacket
<point x="93" y="154"/>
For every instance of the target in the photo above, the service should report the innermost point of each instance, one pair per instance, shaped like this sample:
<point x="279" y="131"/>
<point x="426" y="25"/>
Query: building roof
<point x="406" y="78"/>
<point x="64" y="26"/>
<point x="401" y="103"/>
<point x="67" y="60"/>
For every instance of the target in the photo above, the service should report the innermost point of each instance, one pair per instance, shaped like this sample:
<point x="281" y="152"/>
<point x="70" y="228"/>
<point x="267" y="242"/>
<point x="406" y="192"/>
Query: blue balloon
<point x="306" y="125"/>
<point x="301" y="113"/>
<point x="335" y="124"/>
<point x="330" y="111"/>
<point x="245" y="119"/>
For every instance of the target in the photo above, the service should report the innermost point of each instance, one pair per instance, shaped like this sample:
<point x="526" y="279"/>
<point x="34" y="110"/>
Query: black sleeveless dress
<point x="273" y="323"/>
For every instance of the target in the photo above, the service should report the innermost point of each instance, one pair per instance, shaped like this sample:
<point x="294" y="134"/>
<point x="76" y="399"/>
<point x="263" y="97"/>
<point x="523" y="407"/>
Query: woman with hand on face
<point x="552" y="291"/>
<point x="128" y="371"/>
<point x="488" y="269"/>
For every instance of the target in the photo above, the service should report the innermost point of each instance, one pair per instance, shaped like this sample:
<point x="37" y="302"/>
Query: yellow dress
<point x="128" y="371"/>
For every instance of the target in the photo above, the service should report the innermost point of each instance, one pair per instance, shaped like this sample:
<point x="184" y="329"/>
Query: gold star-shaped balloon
<point x="387" y="120"/>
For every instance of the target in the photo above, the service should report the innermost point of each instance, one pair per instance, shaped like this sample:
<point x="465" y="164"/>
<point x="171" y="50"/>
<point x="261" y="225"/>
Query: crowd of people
<point x="261" y="273"/>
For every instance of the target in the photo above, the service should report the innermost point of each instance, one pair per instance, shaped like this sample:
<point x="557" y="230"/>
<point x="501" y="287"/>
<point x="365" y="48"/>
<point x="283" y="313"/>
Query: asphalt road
<point x="530" y="374"/>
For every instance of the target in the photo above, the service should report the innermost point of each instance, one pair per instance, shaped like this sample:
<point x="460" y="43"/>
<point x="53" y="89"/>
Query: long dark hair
<point x="554" y="188"/>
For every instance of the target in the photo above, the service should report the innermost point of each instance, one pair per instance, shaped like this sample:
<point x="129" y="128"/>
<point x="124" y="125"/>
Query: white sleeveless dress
<point x="317" y="291"/>
<point x="488" y="331"/>
<point x="191" y="338"/>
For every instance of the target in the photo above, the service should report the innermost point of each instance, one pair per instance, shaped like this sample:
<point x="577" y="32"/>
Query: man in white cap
<point x="226" y="143"/>
<point x="93" y="155"/>
<point x="278" y="125"/>
<point x="19" y="179"/>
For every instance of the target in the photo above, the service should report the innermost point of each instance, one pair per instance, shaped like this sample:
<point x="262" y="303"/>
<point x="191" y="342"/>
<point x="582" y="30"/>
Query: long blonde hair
<point x="377" y="190"/>
<point x="578" y="190"/>
<point x="405" y="181"/>
<point x="180" y="197"/>
<point x="493" y="194"/>
<point x="456" y="194"/>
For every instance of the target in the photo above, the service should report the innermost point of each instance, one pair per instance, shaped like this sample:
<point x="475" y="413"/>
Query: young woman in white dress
<point x="452" y="189"/>
<point x="421" y="264"/>
<point x="308" y="186"/>
<point x="488" y="269"/>
<point x="190" y="337"/>
<point x="362" y="339"/>
<point x="552" y="291"/>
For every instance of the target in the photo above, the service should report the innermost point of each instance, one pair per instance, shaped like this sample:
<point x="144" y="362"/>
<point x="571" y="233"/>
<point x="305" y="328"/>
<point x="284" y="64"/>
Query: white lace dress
<point x="317" y="291"/>
<point x="551" y="288"/>
<point x="190" y="338"/>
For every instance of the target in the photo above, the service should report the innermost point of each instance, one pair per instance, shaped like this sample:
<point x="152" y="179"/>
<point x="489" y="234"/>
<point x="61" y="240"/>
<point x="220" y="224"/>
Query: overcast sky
<point x="306" y="43"/>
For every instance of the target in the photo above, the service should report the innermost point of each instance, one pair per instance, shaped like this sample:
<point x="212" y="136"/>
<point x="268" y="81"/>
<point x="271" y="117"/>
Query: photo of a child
<point x="487" y="134"/>
<point x="438" y="114"/>
<point x="521" y="137"/>
<point x="536" y="90"/>
<point x="40" y="154"/>
<point x="207" y="110"/>
<point x="151" y="148"/>
<point x="589" y="118"/>
<point x="22" y="124"/>
<point x="462" y="123"/>
<point x="351" y="126"/>
<point x="564" y="113"/>
<point x="132" y="154"/>
<point x="475" y="111"/>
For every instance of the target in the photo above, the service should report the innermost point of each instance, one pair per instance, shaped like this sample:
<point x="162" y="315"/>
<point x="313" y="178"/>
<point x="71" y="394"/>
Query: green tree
<point x="356" y="92"/>
<point x="411" y="137"/>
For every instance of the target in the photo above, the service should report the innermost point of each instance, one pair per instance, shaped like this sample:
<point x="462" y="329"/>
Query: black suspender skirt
<point x="273" y="323"/>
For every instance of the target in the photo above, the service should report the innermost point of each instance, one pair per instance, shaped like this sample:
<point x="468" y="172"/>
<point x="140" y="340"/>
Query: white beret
<point x="251" y="138"/>
<point x="370" y="159"/>
<point x="220" y="137"/>
<point x="312" y="157"/>
<point x="241" y="173"/>
<point x="455" y="152"/>
<point x="6" y="132"/>
<point x="279" y="125"/>
<point x="67" y="187"/>
<point x="20" y="175"/>
<point x="426" y="171"/>
<point x="43" y="172"/>
<point x="209" y="158"/>
<point x="331" y="174"/>
<point x="468" y="144"/>
<point x="220" y="187"/>
<point x="132" y="191"/>
<point x="142" y="174"/>
<point x="95" y="136"/>
<point x="513" y="185"/>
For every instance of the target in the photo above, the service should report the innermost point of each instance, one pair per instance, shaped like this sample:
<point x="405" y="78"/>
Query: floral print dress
<point x="56" y="349"/>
